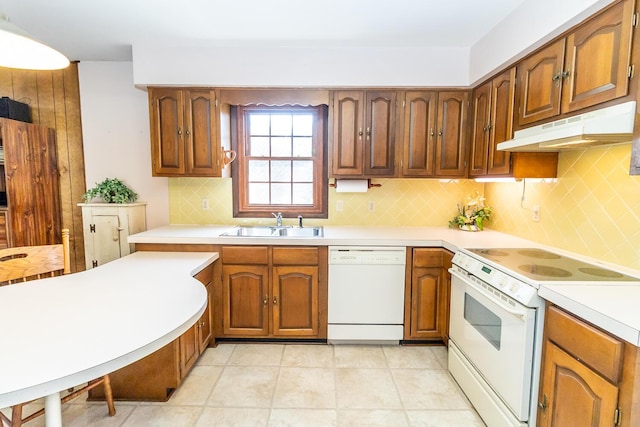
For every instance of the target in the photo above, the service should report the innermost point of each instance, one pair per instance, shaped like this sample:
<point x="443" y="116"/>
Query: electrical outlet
<point x="372" y="206"/>
<point x="536" y="213"/>
<point x="205" y="204"/>
<point x="339" y="205"/>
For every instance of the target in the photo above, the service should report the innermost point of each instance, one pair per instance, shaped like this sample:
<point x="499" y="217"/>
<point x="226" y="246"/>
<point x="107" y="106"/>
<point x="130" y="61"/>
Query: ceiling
<point x="106" y="30"/>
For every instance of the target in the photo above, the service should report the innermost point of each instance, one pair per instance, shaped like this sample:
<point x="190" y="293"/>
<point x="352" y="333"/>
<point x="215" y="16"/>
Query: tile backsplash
<point x="593" y="208"/>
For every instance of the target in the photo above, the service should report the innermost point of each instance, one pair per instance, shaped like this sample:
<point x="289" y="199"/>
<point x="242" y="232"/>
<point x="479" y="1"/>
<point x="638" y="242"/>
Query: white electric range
<point x="496" y="324"/>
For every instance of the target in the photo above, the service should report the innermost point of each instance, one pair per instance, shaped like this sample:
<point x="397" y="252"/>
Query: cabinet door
<point x="166" y="114"/>
<point x="540" y="82"/>
<point x="245" y="300"/>
<point x="104" y="242"/>
<point x="572" y="394"/>
<point x="419" y="130"/>
<point x="5" y="236"/>
<point x="295" y="301"/>
<point x="501" y="129"/>
<point x="205" y="332"/>
<point x="427" y="289"/>
<point x="597" y="59"/>
<point x="189" y="349"/>
<point x="347" y="131"/>
<point x="380" y="133"/>
<point x="481" y="104"/>
<point x="452" y="134"/>
<point x="201" y="134"/>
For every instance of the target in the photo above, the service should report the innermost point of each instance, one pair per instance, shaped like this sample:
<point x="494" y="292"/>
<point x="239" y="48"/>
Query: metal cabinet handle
<point x="265" y="301"/>
<point x="360" y="133"/>
<point x="187" y="132"/>
<point x="440" y="132"/>
<point x="179" y="131"/>
<point x="368" y="133"/>
<point x="543" y="405"/>
<point x="275" y="300"/>
<point x="432" y="133"/>
<point x="556" y="77"/>
<point x="566" y="74"/>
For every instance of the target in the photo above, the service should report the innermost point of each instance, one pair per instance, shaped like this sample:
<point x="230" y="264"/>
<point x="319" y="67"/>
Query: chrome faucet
<point x="278" y="218"/>
<point x="300" y="221"/>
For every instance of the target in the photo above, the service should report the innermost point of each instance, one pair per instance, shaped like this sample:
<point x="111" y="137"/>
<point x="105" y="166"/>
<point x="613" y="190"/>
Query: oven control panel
<point x="509" y="285"/>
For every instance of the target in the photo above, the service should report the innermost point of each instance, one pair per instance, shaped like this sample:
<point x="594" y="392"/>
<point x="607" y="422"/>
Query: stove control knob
<point x="514" y="286"/>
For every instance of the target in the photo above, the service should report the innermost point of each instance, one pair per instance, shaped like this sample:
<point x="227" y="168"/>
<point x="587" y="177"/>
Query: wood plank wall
<point x="54" y="98"/>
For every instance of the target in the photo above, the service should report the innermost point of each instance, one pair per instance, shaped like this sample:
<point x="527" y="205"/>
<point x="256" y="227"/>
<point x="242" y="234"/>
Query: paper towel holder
<point x="369" y="183"/>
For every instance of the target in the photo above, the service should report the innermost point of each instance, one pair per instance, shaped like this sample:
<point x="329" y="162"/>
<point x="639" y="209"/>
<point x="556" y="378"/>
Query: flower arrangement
<point x="111" y="191"/>
<point x="472" y="215"/>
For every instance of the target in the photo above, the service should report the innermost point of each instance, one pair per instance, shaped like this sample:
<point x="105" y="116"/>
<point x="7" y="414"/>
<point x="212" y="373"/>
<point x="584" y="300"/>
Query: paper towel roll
<point x="352" y="185"/>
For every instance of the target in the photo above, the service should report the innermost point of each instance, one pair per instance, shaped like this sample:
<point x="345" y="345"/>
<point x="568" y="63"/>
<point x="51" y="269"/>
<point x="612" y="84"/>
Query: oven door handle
<point x="497" y="301"/>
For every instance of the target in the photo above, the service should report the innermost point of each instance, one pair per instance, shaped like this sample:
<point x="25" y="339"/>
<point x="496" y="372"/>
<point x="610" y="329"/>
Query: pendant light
<point x="18" y="49"/>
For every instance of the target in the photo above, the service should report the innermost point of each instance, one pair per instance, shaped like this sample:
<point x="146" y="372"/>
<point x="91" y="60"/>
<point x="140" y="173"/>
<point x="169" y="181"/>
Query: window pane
<point x="258" y="170"/>
<point x="303" y="125"/>
<point x="303" y="171"/>
<point x="302" y="147"/>
<point x="259" y="124"/>
<point x="259" y="146"/>
<point x="281" y="124"/>
<point x="280" y="147"/>
<point x="281" y="194"/>
<point x="303" y="194"/>
<point x="258" y="194"/>
<point x="281" y="171"/>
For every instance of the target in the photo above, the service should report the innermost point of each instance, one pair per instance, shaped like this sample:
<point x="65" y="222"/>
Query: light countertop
<point x="613" y="308"/>
<point x="69" y="329"/>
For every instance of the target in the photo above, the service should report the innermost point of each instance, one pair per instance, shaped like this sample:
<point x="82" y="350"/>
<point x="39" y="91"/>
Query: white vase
<point x="468" y="227"/>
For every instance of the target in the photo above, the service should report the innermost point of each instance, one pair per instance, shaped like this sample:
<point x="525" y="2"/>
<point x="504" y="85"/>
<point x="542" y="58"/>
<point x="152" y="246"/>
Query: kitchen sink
<point x="269" y="231"/>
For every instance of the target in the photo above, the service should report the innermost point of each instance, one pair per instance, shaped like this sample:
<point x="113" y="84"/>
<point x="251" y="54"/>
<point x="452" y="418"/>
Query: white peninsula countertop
<point x="610" y="307"/>
<point x="63" y="331"/>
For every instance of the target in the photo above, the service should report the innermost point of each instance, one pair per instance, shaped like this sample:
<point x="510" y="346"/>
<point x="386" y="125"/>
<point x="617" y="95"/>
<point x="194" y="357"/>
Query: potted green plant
<point x="111" y="190"/>
<point x="472" y="215"/>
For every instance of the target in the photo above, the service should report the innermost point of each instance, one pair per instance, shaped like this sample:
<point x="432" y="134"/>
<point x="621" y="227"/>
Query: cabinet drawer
<point x="295" y="256"/>
<point x="593" y="347"/>
<point x="245" y="255"/>
<point x="428" y="257"/>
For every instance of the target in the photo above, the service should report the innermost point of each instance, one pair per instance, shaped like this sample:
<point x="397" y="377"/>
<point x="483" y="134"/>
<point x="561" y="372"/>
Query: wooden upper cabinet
<point x="481" y="130"/>
<point x="597" y="59"/>
<point x="451" y="135"/>
<point x="587" y="67"/>
<point x="184" y="132"/>
<point x="418" y="137"/>
<point x="492" y="124"/>
<point x="363" y="133"/>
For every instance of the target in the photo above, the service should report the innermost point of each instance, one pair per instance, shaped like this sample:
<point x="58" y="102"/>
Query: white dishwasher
<point x="366" y="294"/>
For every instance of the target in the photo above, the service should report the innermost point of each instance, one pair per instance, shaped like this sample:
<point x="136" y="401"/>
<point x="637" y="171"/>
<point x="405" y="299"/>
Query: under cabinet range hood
<point x="608" y="125"/>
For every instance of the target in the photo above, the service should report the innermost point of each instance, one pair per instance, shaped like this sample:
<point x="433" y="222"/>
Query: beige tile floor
<point x="299" y="385"/>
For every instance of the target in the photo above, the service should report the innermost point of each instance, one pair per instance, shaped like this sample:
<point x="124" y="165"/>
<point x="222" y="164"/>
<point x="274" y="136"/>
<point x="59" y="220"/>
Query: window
<point x="281" y="161"/>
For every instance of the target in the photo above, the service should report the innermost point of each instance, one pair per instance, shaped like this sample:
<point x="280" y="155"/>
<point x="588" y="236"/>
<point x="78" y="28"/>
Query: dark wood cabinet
<point x="427" y="295"/>
<point x="363" y="132"/>
<point x="419" y="133"/>
<point x="30" y="178"/>
<point x="185" y="136"/>
<point x="582" y="368"/>
<point x="434" y="133"/>
<point x="493" y="104"/>
<point x="587" y="67"/>
<point x="273" y="292"/>
<point x="451" y="134"/>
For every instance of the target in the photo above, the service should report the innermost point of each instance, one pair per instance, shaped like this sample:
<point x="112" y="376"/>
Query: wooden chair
<point x="22" y="264"/>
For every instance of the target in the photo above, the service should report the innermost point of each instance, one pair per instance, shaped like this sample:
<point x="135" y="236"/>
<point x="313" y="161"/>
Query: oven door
<point x="496" y="335"/>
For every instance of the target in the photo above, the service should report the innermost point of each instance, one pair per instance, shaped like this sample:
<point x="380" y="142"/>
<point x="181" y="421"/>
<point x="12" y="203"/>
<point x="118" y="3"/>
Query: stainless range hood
<point x="605" y="126"/>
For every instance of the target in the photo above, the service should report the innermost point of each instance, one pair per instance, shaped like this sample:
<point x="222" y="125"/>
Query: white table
<point x="61" y="332"/>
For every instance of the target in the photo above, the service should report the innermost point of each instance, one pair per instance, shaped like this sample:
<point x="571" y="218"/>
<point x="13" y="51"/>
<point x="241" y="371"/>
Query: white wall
<point x="253" y="66"/>
<point x="115" y="131"/>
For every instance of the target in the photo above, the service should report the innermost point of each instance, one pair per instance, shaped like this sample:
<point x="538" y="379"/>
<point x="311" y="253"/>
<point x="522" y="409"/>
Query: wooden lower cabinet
<point x="587" y="377"/>
<point x="427" y="293"/>
<point x="157" y="376"/>
<point x="271" y="292"/>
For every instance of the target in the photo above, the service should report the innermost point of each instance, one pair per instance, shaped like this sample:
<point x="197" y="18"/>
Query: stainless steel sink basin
<point x="266" y="231"/>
